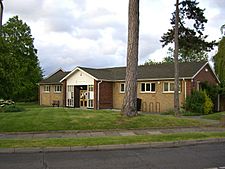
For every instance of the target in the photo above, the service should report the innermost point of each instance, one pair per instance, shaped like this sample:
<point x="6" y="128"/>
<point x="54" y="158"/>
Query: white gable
<point x="80" y="77"/>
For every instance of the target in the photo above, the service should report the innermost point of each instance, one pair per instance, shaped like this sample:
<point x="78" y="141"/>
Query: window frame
<point x="122" y="91"/>
<point x="145" y="87"/>
<point x="169" y="87"/>
<point x="56" y="87"/>
<point x="47" y="88"/>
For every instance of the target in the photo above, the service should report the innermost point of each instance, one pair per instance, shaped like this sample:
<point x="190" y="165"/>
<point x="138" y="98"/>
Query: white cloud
<point x="94" y="32"/>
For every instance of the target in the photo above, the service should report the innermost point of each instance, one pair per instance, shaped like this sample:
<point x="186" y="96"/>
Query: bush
<point x="199" y="103"/>
<point x="9" y="106"/>
<point x="12" y="108"/>
<point x="208" y="104"/>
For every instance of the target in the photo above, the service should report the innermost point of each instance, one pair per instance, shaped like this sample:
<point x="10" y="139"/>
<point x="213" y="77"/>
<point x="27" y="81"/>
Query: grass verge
<point x="112" y="140"/>
<point x="37" y="118"/>
<point x="215" y="116"/>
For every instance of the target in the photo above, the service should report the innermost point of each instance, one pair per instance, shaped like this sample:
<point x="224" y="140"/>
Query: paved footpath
<point x="79" y="134"/>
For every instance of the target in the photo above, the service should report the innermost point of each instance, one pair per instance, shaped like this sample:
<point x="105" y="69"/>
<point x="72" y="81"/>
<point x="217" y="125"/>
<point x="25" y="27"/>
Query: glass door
<point x="83" y="98"/>
<point x="70" y="96"/>
<point x="90" y="96"/>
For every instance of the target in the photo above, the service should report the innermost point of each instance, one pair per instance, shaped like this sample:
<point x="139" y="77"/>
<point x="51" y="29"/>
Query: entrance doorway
<point x="83" y="98"/>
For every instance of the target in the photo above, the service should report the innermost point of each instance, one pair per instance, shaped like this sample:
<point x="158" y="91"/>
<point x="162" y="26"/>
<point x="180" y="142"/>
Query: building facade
<point x="104" y="88"/>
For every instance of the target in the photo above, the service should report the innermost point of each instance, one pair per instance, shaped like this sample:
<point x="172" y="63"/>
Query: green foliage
<point x="19" y="66"/>
<point x="199" y="103"/>
<point x="189" y="36"/>
<point x="186" y="56"/>
<point x="165" y="61"/>
<point x="215" y="116"/>
<point x="11" y="108"/>
<point x="195" y="102"/>
<point x="212" y="91"/>
<point x="219" y="62"/>
<point x="208" y="104"/>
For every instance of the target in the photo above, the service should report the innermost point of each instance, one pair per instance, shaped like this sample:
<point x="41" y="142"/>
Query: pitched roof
<point x="55" y="77"/>
<point x="158" y="71"/>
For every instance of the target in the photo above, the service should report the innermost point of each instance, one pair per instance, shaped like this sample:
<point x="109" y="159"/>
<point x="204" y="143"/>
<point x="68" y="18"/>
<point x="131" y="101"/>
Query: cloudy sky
<point x="93" y="33"/>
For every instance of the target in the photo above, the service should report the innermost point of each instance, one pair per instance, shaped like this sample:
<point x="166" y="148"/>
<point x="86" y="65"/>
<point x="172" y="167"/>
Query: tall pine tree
<point x="192" y="42"/>
<point x="130" y="98"/>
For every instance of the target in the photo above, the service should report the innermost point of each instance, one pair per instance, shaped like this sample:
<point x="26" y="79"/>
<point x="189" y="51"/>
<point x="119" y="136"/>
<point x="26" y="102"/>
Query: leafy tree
<point x="168" y="59"/>
<point x="219" y="61"/>
<point x="186" y="56"/>
<point x="151" y="62"/>
<point x="192" y="43"/>
<point x="130" y="100"/>
<point x="19" y="66"/>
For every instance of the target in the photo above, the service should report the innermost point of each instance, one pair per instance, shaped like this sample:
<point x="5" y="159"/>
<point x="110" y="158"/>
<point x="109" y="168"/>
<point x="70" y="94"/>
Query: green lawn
<point x="66" y="142"/>
<point x="215" y="116"/>
<point x="37" y="118"/>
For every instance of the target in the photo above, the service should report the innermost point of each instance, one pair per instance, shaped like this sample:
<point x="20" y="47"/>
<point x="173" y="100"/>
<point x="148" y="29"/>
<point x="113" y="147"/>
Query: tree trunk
<point x="176" y="66"/>
<point x="1" y="12"/>
<point x="130" y="100"/>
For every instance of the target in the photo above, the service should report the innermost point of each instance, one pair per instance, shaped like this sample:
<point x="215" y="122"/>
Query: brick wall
<point x="204" y="75"/>
<point x="46" y="98"/>
<point x="105" y="95"/>
<point x="64" y="93"/>
<point x="95" y="95"/>
<point x="151" y="102"/>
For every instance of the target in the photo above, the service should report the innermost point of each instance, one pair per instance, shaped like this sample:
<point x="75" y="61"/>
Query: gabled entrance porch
<point x="80" y="96"/>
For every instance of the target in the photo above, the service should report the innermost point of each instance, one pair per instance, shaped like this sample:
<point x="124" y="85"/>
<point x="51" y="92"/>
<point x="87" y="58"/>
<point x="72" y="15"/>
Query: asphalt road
<point x="203" y="156"/>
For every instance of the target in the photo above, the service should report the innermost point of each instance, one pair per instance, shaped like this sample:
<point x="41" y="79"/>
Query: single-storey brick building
<point x="104" y="88"/>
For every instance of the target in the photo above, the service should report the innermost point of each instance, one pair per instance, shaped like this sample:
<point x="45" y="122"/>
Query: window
<point x="91" y="88"/>
<point x="169" y="87"/>
<point x="90" y="103"/>
<point x="147" y="87"/>
<point x="58" y="88"/>
<point x="143" y="87"/>
<point x="122" y="88"/>
<point x="70" y="88"/>
<point x="47" y="88"/>
<point x="70" y="95"/>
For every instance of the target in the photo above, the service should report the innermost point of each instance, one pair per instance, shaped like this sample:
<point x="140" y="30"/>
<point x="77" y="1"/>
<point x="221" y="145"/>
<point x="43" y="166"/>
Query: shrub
<point x="10" y="108"/>
<point x="199" y="103"/>
<point x="195" y="102"/>
<point x="208" y="104"/>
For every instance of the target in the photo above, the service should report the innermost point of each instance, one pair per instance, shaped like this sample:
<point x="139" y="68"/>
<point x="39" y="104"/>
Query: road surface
<point x="205" y="156"/>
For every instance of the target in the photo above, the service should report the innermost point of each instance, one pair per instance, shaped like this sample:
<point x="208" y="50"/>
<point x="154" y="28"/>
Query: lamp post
<point x="1" y="12"/>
